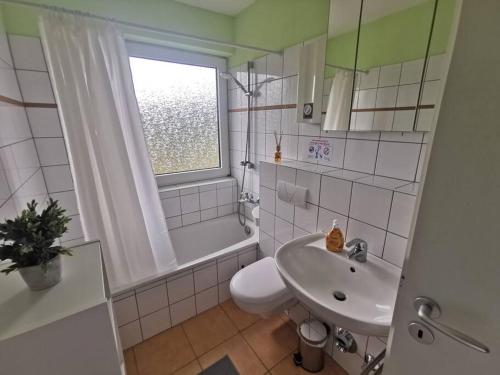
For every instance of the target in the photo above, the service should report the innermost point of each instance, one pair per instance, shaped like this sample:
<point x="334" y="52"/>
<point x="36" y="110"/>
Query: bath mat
<point x="223" y="366"/>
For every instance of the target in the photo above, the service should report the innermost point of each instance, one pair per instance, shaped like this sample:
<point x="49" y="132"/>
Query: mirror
<point x="436" y="63"/>
<point x="393" y="48"/>
<point x="340" y="63"/>
<point x="393" y="42"/>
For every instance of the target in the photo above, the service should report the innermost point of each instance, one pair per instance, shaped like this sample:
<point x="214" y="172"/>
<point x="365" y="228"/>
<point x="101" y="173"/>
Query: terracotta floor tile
<point x="286" y="367"/>
<point x="242" y="356"/>
<point x="272" y="339"/>
<point x="240" y="318"/>
<point x="130" y="365"/>
<point x="208" y="330"/>
<point x="193" y="368"/>
<point x="164" y="353"/>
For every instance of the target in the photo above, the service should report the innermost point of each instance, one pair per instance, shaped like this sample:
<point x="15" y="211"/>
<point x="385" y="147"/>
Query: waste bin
<point x="313" y="335"/>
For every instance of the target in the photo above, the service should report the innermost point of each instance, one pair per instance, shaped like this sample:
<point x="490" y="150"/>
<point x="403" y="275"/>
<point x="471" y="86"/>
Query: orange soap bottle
<point x="335" y="239"/>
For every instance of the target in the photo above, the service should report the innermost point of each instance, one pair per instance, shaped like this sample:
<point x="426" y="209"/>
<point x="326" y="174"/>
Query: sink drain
<point x="339" y="296"/>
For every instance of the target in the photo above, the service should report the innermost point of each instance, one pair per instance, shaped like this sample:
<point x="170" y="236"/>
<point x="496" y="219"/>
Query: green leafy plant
<point x="29" y="238"/>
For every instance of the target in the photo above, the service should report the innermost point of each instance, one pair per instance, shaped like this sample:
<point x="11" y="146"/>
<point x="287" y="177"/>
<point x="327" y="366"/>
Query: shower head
<point x="229" y="76"/>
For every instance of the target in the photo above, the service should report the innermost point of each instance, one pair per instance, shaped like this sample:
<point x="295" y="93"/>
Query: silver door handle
<point x="428" y="310"/>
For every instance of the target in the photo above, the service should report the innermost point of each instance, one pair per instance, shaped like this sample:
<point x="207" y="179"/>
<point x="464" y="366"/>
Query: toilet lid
<point x="260" y="282"/>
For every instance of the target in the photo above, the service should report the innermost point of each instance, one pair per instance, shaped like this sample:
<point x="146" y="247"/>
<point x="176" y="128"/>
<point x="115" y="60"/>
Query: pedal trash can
<point x="313" y="336"/>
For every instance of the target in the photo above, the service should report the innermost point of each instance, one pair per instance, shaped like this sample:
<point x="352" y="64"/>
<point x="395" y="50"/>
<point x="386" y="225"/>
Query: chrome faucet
<point x="360" y="250"/>
<point x="246" y="197"/>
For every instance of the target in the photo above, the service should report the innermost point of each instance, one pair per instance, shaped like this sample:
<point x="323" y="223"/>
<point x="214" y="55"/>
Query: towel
<point x="292" y="193"/>
<point x="339" y="102"/>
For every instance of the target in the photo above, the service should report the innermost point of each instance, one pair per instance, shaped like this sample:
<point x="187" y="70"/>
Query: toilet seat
<point x="258" y="288"/>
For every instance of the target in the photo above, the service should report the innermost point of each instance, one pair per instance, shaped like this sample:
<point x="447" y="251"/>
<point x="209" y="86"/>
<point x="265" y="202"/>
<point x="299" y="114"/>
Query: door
<point x="455" y="254"/>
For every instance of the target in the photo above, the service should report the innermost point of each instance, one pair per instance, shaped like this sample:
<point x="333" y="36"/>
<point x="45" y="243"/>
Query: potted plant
<point x="28" y="241"/>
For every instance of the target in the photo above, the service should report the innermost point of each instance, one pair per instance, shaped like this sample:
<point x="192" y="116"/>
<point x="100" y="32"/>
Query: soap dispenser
<point x="335" y="239"/>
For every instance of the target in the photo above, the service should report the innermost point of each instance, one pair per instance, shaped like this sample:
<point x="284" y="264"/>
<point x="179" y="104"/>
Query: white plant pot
<point x="42" y="276"/>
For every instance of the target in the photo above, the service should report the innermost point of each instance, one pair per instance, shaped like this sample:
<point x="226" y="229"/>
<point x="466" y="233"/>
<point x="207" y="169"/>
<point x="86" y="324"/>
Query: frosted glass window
<point x="179" y="111"/>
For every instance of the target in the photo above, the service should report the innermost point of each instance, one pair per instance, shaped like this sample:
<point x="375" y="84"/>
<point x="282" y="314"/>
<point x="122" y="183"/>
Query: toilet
<point x="259" y="289"/>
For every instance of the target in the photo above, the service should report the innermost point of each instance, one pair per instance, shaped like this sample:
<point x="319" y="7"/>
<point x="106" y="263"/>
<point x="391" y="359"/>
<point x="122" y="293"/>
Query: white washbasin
<point x="313" y="274"/>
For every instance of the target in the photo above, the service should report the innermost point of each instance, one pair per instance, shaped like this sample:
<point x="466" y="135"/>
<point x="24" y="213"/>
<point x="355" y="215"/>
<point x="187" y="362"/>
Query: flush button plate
<point x="421" y="333"/>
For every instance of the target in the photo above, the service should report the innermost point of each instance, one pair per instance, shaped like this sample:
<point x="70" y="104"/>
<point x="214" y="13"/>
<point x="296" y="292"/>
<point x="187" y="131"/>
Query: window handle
<point x="428" y="310"/>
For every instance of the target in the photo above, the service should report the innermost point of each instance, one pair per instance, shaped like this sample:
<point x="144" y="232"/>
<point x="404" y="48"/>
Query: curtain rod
<point x="344" y="68"/>
<point x="139" y="26"/>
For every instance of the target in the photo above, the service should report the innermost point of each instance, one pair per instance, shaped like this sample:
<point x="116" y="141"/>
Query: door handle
<point x="428" y="310"/>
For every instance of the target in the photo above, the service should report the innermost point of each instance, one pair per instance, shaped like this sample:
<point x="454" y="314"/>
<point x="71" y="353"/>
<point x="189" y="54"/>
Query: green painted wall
<point x="165" y="14"/>
<point x="401" y="36"/>
<point x="276" y="24"/>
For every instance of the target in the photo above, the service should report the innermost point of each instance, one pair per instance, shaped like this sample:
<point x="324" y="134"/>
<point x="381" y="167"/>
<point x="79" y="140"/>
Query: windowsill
<point x="187" y="185"/>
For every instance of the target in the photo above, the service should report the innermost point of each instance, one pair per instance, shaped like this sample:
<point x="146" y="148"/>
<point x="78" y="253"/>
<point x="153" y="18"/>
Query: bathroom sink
<point x="356" y="296"/>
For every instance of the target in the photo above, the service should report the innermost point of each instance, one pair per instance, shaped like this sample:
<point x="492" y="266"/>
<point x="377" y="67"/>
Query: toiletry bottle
<point x="335" y="239"/>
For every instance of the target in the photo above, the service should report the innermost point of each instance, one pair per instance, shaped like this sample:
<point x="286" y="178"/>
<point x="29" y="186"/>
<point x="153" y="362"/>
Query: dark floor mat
<point x="223" y="366"/>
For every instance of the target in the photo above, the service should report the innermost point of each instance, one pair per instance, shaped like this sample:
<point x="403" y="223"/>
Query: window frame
<point x="168" y="54"/>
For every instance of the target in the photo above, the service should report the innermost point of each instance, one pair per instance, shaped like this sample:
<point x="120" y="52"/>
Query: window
<point x="184" y="115"/>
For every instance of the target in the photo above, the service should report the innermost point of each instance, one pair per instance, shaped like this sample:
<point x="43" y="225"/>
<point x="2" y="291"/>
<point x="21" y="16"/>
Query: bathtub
<point x="201" y="242"/>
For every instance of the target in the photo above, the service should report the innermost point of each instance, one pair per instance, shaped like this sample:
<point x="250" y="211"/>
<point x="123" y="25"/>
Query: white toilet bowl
<point x="259" y="289"/>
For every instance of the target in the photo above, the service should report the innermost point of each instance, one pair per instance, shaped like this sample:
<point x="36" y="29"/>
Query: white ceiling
<point x="228" y="7"/>
<point x="344" y="15"/>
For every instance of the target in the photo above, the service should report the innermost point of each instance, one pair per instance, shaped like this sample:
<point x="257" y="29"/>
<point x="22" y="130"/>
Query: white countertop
<point x="81" y="287"/>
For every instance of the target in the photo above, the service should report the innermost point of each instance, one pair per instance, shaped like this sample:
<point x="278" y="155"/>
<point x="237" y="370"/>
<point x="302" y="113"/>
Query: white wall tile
<point x="228" y="209"/>
<point x="27" y="53"/>
<point x="183" y="310"/>
<point x="401" y="214"/>
<point x="386" y="97"/>
<point x="283" y="230"/>
<point x="291" y="60"/>
<point x="375" y="237"/>
<point x="408" y="95"/>
<point x="171" y="206"/>
<point x="360" y="155"/>
<point x="435" y="67"/>
<point x="8" y="84"/>
<point x="190" y="203"/>
<point x="224" y="292"/>
<point x="395" y="249"/>
<point x="259" y="69"/>
<point x="389" y="75"/>
<point x="367" y="98"/>
<point x="180" y="288"/>
<point x="289" y="124"/>
<point x="227" y="268"/>
<point x="51" y="151"/>
<point x="430" y="94"/>
<point x="208" y="199"/>
<point x="44" y="122"/>
<point x="205" y="278"/>
<point x="207" y="299"/>
<point x="152" y="299"/>
<point x="74" y="229"/>
<point x="266" y="244"/>
<point x="267" y="199"/>
<point x="125" y="310"/>
<point x="290" y="87"/>
<point x="403" y="120"/>
<point x="174" y="222"/>
<point x="224" y="196"/>
<point x="325" y="221"/>
<point x="247" y="258"/>
<point x="274" y="66"/>
<point x="67" y="200"/>
<point x="335" y="194"/>
<point x="58" y="178"/>
<point x="370" y="80"/>
<point x="383" y="120"/>
<point x="273" y="94"/>
<point x="306" y="218"/>
<point x="268" y="175"/>
<point x="210" y="213"/>
<point x="155" y="323"/>
<point x="191" y="218"/>
<point x="312" y="182"/>
<point x="35" y="86"/>
<point x="398" y="160"/>
<point x="370" y="205"/>
<point x="130" y="334"/>
<point x="411" y="71"/>
<point x="284" y="210"/>
<point x="364" y="120"/>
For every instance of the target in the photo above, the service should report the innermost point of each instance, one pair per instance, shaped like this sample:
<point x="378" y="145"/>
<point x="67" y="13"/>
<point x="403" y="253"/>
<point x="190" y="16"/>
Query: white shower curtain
<point x="339" y="102"/>
<point x="115" y="185"/>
